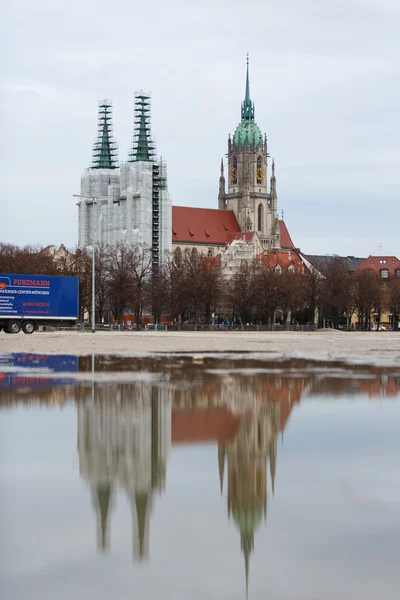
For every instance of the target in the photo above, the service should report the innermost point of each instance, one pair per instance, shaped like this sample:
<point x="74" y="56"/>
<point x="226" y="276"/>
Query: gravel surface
<point x="380" y="348"/>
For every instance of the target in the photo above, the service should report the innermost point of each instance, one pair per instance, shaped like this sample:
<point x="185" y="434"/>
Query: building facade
<point x="127" y="203"/>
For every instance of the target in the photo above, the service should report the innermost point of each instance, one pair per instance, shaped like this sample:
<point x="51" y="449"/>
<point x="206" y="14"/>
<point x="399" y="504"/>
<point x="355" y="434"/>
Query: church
<point x="130" y="202"/>
<point x="247" y="206"/>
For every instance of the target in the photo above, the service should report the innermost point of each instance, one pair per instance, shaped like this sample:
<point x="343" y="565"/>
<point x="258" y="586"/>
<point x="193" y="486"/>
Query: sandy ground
<point x="380" y="348"/>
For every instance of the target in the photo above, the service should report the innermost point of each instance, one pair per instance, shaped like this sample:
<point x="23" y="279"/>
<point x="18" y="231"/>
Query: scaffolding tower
<point x="105" y="148"/>
<point x="143" y="147"/>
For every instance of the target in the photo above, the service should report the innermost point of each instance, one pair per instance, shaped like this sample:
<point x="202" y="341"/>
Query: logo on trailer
<point x="4" y="282"/>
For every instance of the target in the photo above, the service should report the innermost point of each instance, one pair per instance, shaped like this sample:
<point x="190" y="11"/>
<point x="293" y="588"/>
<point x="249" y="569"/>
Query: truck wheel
<point x="14" y="327"/>
<point x="28" y="327"/>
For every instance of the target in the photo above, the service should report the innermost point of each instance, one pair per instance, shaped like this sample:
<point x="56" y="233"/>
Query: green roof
<point x="247" y="131"/>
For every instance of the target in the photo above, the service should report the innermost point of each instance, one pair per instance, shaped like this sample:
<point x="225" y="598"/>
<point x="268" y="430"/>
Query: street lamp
<point x="94" y="201"/>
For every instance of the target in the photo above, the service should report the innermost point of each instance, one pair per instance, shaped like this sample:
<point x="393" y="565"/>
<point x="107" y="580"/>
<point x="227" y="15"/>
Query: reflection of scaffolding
<point x="124" y="437"/>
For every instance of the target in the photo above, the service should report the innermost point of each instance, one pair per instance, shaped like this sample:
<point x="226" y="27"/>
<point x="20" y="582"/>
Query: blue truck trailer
<point x="28" y="301"/>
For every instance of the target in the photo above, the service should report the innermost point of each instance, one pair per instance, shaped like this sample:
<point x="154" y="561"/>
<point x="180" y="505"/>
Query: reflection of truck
<point x="28" y="301"/>
<point x="37" y="370"/>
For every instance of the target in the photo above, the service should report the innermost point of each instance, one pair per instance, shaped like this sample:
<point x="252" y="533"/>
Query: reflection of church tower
<point x="102" y="496"/>
<point x="255" y="208"/>
<point x="151" y="456"/>
<point x="124" y="439"/>
<point x="247" y="454"/>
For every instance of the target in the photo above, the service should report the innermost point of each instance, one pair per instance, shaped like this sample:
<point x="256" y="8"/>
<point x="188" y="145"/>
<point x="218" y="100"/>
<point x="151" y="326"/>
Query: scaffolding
<point x="143" y="147"/>
<point x="156" y="217"/>
<point x="105" y="148"/>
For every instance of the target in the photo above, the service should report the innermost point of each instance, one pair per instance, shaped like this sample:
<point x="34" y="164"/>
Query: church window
<point x="178" y="256"/>
<point x="259" y="171"/>
<point x="234" y="171"/>
<point x="278" y="269"/>
<point x="260" y="217"/>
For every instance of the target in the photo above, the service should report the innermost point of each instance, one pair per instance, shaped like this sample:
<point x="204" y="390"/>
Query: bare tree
<point x="120" y="284"/>
<point x="366" y="295"/>
<point x="394" y="301"/>
<point x="141" y="271"/>
<point x="239" y="294"/>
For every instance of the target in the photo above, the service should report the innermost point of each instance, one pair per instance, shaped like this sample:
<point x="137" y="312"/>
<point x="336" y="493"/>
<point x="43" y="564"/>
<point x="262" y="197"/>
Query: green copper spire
<point x="104" y="150"/>
<point x="247" y="105"/>
<point x="247" y="131"/>
<point x="143" y="146"/>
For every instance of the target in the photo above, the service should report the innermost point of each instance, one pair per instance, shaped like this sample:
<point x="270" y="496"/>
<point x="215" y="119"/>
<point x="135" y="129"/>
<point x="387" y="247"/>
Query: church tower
<point x="248" y="197"/>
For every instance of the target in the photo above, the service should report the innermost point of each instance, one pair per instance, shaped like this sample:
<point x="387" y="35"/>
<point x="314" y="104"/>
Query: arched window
<point x="178" y="256"/>
<point x="278" y="269"/>
<point x="195" y="254"/>
<point x="259" y="171"/>
<point x="260" y="215"/>
<point x="234" y="171"/>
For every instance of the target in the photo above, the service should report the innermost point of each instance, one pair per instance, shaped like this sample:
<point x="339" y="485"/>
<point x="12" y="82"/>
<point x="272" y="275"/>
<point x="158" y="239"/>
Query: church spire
<point x="247" y="105"/>
<point x="143" y="146"/>
<point x="104" y="149"/>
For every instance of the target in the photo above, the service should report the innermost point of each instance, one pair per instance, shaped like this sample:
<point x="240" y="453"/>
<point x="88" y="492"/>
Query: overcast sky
<point x="324" y="78"/>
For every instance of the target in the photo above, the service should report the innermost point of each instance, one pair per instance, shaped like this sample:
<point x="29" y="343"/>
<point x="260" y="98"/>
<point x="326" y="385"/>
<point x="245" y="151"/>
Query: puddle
<point x="198" y="475"/>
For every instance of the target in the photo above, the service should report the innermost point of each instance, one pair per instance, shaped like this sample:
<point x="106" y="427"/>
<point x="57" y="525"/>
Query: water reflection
<point x="126" y="430"/>
<point x="124" y="437"/>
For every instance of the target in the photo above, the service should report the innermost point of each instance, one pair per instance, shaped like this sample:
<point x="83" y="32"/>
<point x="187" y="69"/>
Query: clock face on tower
<point x="233" y="175"/>
<point x="260" y="174"/>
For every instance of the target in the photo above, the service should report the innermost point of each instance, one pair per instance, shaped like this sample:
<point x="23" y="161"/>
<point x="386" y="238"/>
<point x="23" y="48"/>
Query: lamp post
<point x="94" y="201"/>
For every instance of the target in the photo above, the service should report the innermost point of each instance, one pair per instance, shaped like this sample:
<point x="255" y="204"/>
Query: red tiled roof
<point x="283" y="258"/>
<point x="213" y="226"/>
<point x="286" y="240"/>
<point x="203" y="225"/>
<point x="375" y="264"/>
